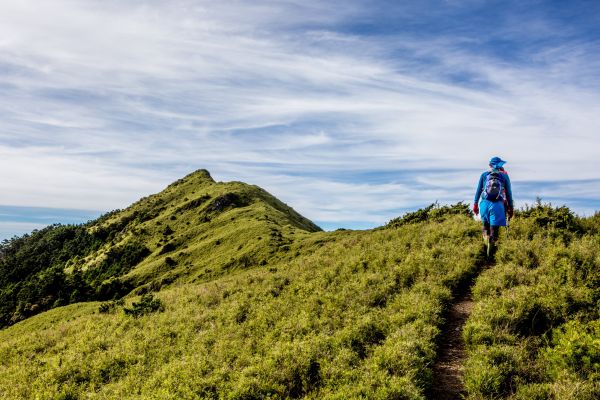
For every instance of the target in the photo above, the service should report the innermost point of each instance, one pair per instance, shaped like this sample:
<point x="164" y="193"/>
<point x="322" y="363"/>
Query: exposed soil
<point x="447" y="370"/>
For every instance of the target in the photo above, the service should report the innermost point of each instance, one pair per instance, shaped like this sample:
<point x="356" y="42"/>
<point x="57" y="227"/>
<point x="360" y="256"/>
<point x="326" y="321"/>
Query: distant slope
<point x="197" y="229"/>
<point x="194" y="230"/>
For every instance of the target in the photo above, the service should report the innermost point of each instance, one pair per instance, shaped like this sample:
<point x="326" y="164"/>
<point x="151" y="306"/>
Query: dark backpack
<point x="493" y="187"/>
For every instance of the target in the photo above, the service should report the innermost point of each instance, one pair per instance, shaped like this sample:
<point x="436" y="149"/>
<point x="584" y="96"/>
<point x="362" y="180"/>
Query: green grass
<point x="534" y="332"/>
<point x="355" y="315"/>
<point x="193" y="231"/>
<point x="206" y="228"/>
<point x="231" y="294"/>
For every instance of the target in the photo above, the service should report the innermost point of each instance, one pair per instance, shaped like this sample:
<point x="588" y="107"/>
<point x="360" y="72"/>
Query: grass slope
<point x="535" y="329"/>
<point x="195" y="230"/>
<point x="233" y="295"/>
<point x="350" y="315"/>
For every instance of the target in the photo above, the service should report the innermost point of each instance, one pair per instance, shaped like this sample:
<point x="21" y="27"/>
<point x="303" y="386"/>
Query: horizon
<point x="353" y="112"/>
<point x="16" y="221"/>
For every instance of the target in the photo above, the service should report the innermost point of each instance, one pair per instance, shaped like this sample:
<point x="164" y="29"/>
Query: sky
<point x="352" y="112"/>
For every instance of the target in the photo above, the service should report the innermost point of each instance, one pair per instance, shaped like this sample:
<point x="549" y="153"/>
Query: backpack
<point x="493" y="190"/>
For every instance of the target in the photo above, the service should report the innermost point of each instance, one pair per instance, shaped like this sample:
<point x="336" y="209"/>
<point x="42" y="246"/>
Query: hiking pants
<point x="491" y="231"/>
<point x="492" y="213"/>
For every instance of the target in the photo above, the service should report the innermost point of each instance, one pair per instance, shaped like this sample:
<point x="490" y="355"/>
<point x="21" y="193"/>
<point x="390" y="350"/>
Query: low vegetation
<point x="219" y="291"/>
<point x="194" y="230"/>
<point x="534" y="332"/>
<point x="354" y="314"/>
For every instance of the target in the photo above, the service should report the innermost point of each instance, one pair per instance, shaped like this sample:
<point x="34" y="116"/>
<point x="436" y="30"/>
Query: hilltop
<point x="212" y="290"/>
<point x="197" y="229"/>
<point x="194" y="230"/>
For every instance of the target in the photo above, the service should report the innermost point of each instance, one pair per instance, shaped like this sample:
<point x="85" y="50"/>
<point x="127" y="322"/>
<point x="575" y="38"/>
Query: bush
<point x="547" y="216"/>
<point x="147" y="304"/>
<point x="492" y="371"/>
<point x="170" y="262"/>
<point x="118" y="261"/>
<point x="433" y="212"/>
<point x="109" y="306"/>
<point x="364" y="336"/>
<point x="112" y="288"/>
<point x="167" y="248"/>
<point x="576" y="350"/>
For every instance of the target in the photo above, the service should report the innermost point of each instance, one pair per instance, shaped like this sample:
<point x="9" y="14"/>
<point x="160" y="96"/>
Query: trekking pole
<point x="507" y="228"/>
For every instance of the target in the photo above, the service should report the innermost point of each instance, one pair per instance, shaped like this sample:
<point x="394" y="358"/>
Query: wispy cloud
<point x="104" y="102"/>
<point x="15" y="220"/>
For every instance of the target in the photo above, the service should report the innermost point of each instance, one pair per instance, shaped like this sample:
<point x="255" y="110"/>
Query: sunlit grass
<point x="534" y="330"/>
<point x="356" y="314"/>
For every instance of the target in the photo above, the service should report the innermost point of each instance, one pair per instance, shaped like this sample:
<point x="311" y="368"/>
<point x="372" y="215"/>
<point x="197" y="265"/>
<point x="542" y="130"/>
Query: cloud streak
<point x="104" y="102"/>
<point x="20" y="220"/>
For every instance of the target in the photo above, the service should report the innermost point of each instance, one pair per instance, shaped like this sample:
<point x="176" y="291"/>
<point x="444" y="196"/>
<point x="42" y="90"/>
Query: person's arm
<point x="509" y="196"/>
<point x="479" y="188"/>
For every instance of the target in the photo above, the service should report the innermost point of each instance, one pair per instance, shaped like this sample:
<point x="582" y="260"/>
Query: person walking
<point x="493" y="200"/>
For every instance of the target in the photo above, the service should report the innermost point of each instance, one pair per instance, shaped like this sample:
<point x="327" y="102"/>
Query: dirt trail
<point x="447" y="370"/>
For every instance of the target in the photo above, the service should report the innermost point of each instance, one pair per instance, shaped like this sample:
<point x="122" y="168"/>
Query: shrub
<point x="547" y="216"/>
<point x="147" y="304"/>
<point x="195" y="203"/>
<point x="170" y="262"/>
<point x="112" y="288"/>
<point x="576" y="350"/>
<point x="109" y="306"/>
<point x="105" y="308"/>
<point x="118" y="261"/>
<point x="167" y="248"/>
<point x="433" y="212"/>
<point x="364" y="336"/>
<point x="491" y="371"/>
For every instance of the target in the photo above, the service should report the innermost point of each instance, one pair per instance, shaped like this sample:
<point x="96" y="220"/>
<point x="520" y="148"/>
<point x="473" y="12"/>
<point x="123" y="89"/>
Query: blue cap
<point x="497" y="162"/>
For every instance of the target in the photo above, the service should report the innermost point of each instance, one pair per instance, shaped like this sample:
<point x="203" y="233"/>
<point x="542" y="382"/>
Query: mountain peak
<point x="200" y="174"/>
<point x="198" y="177"/>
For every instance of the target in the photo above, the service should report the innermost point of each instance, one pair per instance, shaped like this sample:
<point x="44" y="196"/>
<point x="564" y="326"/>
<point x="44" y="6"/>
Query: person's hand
<point x="476" y="209"/>
<point x="509" y="211"/>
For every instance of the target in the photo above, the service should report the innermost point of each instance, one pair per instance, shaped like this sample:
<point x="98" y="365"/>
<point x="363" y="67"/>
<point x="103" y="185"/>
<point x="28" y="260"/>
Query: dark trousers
<point x="491" y="231"/>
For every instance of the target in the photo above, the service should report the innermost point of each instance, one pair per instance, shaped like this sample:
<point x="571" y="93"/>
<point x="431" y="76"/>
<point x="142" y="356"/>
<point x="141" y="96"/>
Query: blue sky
<point x="352" y="112"/>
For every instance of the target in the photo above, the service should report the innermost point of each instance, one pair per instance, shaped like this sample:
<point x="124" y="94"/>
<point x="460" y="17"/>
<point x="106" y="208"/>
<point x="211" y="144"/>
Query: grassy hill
<point x="193" y="231"/>
<point x="219" y="291"/>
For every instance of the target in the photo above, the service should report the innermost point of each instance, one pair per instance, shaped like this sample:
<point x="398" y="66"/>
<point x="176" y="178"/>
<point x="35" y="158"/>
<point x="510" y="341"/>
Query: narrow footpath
<point x="447" y="369"/>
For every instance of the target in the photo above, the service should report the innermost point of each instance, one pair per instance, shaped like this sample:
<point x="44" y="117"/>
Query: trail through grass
<point x="354" y="315"/>
<point x="534" y="332"/>
<point x="239" y="297"/>
<point x="448" y="368"/>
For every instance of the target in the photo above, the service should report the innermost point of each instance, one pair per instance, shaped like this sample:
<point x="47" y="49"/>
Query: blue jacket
<point x="505" y="184"/>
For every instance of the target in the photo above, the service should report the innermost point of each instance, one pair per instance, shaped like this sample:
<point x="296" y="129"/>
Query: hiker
<point x="496" y="199"/>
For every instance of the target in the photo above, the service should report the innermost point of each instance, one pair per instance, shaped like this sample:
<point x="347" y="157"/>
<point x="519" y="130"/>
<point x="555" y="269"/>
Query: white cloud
<point x="104" y="102"/>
